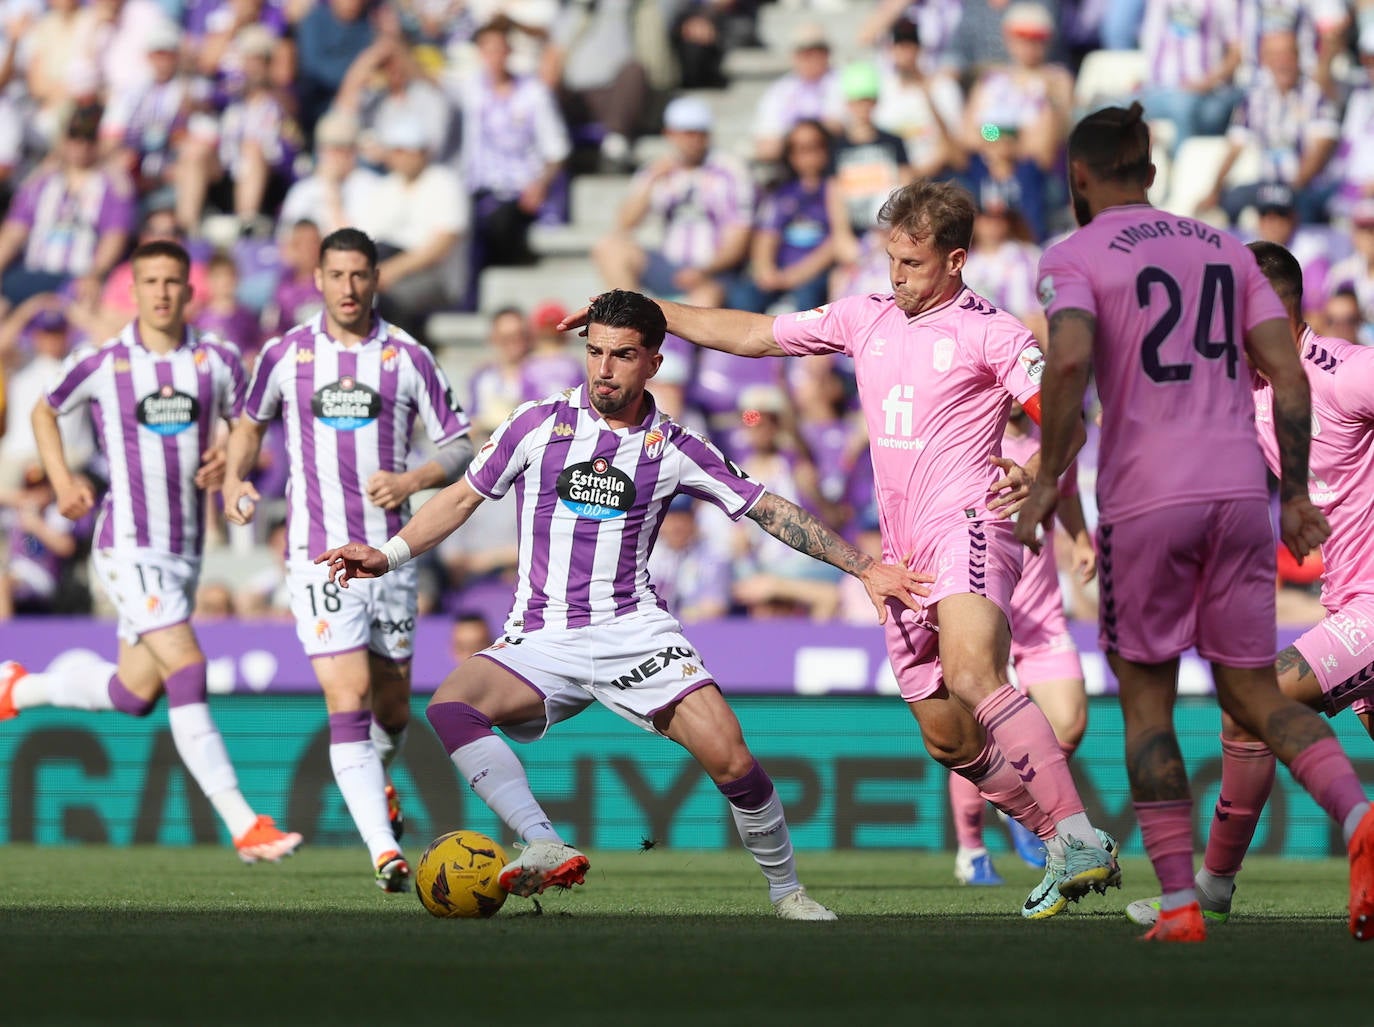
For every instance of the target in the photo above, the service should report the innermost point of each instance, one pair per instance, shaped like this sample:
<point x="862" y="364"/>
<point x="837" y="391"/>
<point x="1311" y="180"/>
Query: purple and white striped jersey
<point x="1283" y="124"/>
<point x="65" y="223"/>
<point x="349" y="412"/>
<point x="155" y="415"/>
<point x="1185" y="40"/>
<point x="589" y="502"/>
<point x="698" y="204"/>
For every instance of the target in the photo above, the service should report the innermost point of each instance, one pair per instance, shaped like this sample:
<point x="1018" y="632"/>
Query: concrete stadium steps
<point x="571" y="281"/>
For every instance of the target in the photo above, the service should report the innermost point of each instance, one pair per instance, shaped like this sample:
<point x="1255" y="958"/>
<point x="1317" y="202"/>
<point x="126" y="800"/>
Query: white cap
<point x="404" y="134"/>
<point x="162" y="36"/>
<point x="688" y="114"/>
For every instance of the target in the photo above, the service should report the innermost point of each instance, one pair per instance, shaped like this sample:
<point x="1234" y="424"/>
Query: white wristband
<point x="396" y="552"/>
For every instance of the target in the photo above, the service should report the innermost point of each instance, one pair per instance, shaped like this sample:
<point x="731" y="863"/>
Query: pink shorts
<point x="1197" y="574"/>
<point x="1340" y="651"/>
<point x="977" y="557"/>
<point x="1041" y="647"/>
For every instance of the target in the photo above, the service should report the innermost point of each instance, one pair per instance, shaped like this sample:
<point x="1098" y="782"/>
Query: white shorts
<point x="377" y="614"/>
<point x="149" y="589"/>
<point x="635" y="666"/>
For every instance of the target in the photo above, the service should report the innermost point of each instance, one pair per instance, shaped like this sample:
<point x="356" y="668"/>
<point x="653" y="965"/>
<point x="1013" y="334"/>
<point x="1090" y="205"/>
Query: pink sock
<point x="1167" y="829"/>
<point x="1325" y="771"/>
<point x="1021" y="732"/>
<point x="1000" y="785"/>
<point x="1247" y="778"/>
<point x="966" y="802"/>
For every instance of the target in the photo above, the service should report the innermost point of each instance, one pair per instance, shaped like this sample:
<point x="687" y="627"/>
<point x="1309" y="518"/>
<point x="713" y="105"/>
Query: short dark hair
<point x="163" y="248"/>
<point x="621" y="308"/>
<point x="349" y="240"/>
<point x="1283" y="271"/>
<point x="942" y="212"/>
<point x="1114" y="143"/>
<point x="219" y="259"/>
<point x="499" y="25"/>
<point x="84" y="122"/>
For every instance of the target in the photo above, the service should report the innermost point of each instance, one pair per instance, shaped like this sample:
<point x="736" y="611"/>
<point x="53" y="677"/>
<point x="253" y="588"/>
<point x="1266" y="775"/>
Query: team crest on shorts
<point x="322" y="632"/>
<point x="153" y="604"/>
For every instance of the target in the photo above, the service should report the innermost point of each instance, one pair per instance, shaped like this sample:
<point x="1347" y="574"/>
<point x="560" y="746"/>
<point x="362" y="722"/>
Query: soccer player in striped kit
<point x="157" y="392"/>
<point x="594" y="470"/>
<point x="350" y="388"/>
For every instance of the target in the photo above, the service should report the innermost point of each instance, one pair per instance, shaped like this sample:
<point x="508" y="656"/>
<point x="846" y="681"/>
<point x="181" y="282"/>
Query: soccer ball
<point x="457" y="875"/>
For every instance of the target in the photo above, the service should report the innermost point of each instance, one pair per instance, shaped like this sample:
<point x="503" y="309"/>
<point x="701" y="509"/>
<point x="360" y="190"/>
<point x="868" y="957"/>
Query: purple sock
<point x="752" y="791"/>
<point x="187" y="685"/>
<point x="126" y="702"/>
<point x="353" y="726"/>
<point x="457" y="724"/>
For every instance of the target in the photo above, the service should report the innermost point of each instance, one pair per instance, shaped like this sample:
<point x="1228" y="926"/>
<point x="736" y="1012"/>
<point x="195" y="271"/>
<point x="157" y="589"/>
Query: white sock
<point x="387" y="744"/>
<point x="201" y="748"/>
<point x="1177" y="899"/>
<point x="496" y="776"/>
<point x="76" y="683"/>
<point x="764" y="833"/>
<point x="1214" y="890"/>
<point x="1078" y="826"/>
<point x="360" y="777"/>
<point x="1352" y="821"/>
<point x="1055" y="847"/>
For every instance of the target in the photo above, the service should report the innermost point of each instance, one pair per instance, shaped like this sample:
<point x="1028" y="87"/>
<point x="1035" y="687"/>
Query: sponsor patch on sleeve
<point x="1045" y="290"/>
<point x="1034" y="363"/>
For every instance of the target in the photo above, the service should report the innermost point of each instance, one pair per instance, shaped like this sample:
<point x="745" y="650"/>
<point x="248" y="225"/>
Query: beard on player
<point x="1082" y="213"/>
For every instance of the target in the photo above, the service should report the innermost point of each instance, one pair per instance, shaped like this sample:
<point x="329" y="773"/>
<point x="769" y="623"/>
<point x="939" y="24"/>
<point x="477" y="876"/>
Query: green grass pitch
<point x="188" y="936"/>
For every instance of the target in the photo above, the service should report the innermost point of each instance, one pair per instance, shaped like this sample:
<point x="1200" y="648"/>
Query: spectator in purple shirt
<point x="223" y="315"/>
<point x="70" y="221"/>
<point x="297" y="298"/>
<point x="689" y="575"/>
<point x="41" y="540"/>
<point x="792" y="249"/>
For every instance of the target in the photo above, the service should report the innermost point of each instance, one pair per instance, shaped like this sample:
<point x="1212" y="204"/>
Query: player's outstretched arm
<point x="245" y="443"/>
<point x="1269" y="346"/>
<point x="435" y="521"/>
<point x="731" y="331"/>
<point x="789" y="523"/>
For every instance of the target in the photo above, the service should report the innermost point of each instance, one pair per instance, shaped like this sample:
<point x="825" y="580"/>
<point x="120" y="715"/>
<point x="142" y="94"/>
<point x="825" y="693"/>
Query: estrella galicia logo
<point x="168" y="411"/>
<point x="346" y="405"/>
<point x="595" y="489"/>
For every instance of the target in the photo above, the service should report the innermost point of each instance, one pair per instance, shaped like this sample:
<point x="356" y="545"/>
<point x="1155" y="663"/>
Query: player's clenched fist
<point x="354" y="560"/>
<point x="75" y="499"/>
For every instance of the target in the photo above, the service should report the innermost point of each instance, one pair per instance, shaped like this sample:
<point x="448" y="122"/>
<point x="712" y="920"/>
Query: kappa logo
<point x="655" y="664"/>
<point x="653" y="443"/>
<point x="305" y="356"/>
<point x="121" y="366"/>
<point x="564" y="431"/>
<point x="690" y="670"/>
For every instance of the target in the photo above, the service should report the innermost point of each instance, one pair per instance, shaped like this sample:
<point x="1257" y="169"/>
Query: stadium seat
<point x="1108" y="76"/>
<point x="1195" y="170"/>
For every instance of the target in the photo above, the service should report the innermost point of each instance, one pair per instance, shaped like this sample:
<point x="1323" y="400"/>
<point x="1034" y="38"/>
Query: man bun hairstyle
<point x="620" y="308"/>
<point x="1114" y="143"/>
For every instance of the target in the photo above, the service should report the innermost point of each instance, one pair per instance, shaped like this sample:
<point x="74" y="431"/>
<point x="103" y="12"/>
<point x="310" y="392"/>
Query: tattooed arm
<point x="789" y="523"/>
<point x="1269" y="345"/>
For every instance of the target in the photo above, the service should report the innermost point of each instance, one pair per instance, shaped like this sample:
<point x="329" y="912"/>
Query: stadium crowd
<point x="448" y="129"/>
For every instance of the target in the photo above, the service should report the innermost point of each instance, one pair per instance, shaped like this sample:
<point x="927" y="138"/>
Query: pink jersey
<point x="1173" y="299"/>
<point x="155" y="413"/>
<point x="1341" y="468"/>
<point x="935" y="390"/>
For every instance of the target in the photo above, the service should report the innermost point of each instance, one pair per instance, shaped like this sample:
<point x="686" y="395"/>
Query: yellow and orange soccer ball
<point x="458" y="876"/>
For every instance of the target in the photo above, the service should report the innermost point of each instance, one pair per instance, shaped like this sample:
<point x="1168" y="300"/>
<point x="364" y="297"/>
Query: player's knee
<point x="951" y="750"/>
<point x="126" y="701"/>
<point x="456" y="723"/>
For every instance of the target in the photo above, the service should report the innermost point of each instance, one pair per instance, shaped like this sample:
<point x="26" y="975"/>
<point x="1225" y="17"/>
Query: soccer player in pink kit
<point x="1043" y="655"/>
<point x="937" y="369"/>
<point x="593" y="470"/>
<point x="1331" y="667"/>
<point x="350" y="388"/>
<point x="1165" y="310"/>
<point x="157" y="392"/>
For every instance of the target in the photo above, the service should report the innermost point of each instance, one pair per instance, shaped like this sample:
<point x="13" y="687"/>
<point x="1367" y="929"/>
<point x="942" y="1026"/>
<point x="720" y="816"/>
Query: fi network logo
<point x="897" y="410"/>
